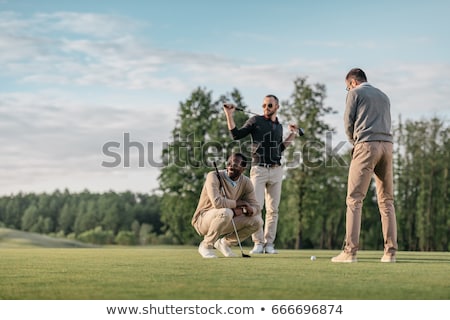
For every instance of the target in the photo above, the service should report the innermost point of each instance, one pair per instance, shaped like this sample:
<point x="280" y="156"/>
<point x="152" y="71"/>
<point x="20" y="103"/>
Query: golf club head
<point x="245" y="255"/>
<point x="301" y="132"/>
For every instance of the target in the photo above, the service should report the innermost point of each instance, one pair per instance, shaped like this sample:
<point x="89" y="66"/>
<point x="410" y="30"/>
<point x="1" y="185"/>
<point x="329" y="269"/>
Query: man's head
<point x="236" y="165"/>
<point x="354" y="77"/>
<point x="270" y="106"/>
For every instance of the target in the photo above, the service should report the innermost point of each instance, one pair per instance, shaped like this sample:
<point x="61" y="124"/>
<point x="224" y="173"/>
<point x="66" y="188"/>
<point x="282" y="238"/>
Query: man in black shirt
<point x="266" y="171"/>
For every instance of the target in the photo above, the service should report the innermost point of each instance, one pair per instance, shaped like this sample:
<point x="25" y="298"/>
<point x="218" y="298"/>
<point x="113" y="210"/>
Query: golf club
<point x="232" y="219"/>
<point x="239" y="241"/>
<point x="301" y="132"/>
<point x="229" y="106"/>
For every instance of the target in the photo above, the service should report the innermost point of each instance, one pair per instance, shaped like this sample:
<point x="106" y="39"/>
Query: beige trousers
<point x="267" y="183"/>
<point x="217" y="222"/>
<point x="371" y="159"/>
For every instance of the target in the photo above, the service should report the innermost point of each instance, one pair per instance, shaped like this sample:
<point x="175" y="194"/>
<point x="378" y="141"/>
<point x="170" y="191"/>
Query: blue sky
<point x="79" y="74"/>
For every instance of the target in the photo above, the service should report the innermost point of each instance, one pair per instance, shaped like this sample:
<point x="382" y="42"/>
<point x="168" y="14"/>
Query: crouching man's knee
<point x="257" y="222"/>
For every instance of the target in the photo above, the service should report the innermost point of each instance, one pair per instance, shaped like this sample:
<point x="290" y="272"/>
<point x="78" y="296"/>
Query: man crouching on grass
<point x="231" y="197"/>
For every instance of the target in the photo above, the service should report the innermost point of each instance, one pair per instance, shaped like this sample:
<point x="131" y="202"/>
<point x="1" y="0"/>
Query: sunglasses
<point x="269" y="105"/>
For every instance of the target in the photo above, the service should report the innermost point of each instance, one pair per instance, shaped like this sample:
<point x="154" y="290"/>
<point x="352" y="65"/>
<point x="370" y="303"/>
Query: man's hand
<point x="229" y="107"/>
<point x="242" y="210"/>
<point x="243" y="207"/>
<point x="293" y="128"/>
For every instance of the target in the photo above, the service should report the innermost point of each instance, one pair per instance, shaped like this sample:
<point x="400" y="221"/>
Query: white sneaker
<point x="257" y="249"/>
<point x="269" y="249"/>
<point x="224" y="248"/>
<point x="206" y="252"/>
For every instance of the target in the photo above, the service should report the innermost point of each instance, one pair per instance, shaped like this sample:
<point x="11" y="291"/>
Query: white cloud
<point x="55" y="138"/>
<point x="106" y="81"/>
<point x="416" y="90"/>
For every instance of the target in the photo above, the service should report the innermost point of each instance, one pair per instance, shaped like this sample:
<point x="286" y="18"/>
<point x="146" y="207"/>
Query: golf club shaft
<point x="229" y="106"/>
<point x="237" y="236"/>
<point x="246" y="111"/>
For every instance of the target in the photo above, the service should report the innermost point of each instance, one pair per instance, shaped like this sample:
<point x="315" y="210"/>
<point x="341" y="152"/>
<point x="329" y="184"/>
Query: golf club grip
<point x="229" y="106"/>
<point x="218" y="177"/>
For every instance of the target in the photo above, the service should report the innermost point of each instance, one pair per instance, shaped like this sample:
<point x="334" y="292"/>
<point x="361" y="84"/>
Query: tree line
<point x="312" y="209"/>
<point x="100" y="218"/>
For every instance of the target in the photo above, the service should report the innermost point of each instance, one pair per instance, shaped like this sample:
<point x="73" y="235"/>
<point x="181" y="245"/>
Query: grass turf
<point x="179" y="273"/>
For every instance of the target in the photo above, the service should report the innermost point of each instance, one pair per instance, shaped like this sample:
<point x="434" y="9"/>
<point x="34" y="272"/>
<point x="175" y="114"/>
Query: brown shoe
<point x="388" y="258"/>
<point x="345" y="257"/>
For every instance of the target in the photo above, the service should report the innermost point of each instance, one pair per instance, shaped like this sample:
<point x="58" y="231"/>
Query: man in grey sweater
<point x="367" y="122"/>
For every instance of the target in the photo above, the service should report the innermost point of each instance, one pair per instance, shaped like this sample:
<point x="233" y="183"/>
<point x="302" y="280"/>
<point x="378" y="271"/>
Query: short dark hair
<point x="272" y="96"/>
<point x="243" y="158"/>
<point x="357" y="74"/>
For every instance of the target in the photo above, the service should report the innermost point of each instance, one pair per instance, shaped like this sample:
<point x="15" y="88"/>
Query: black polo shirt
<point x="267" y="139"/>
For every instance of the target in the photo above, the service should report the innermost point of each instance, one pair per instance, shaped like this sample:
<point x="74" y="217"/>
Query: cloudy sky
<point x="76" y="75"/>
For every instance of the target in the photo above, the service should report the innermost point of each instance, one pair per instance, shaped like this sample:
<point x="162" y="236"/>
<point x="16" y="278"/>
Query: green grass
<point x="174" y="273"/>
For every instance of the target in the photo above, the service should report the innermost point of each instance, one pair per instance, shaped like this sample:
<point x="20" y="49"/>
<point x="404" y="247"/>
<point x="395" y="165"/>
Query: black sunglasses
<point x="269" y="105"/>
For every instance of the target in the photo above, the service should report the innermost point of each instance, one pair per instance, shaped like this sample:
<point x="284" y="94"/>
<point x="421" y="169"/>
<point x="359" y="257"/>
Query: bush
<point x="126" y="238"/>
<point x="97" y="236"/>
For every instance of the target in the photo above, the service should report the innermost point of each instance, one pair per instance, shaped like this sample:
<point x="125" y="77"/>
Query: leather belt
<point x="269" y="165"/>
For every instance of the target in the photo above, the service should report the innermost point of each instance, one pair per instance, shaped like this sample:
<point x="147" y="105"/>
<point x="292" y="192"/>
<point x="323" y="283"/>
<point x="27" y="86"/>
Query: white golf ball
<point x="313" y="258"/>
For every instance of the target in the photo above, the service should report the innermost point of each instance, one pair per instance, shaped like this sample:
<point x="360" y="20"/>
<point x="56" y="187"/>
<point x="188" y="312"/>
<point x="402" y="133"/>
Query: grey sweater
<point x="367" y="115"/>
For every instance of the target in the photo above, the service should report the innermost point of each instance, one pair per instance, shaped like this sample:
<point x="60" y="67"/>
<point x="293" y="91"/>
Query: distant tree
<point x="14" y="208"/>
<point x="148" y="211"/>
<point x="422" y="185"/>
<point x="109" y="211"/>
<point x="87" y="216"/>
<point x="30" y="218"/>
<point x="66" y="219"/>
<point x="313" y="189"/>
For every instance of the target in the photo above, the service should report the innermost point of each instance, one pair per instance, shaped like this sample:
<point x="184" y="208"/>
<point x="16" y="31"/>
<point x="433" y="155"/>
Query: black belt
<point x="269" y="165"/>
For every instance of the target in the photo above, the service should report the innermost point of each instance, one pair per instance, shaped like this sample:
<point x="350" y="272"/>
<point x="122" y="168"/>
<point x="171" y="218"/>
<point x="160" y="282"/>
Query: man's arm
<point x="349" y="116"/>
<point x="247" y="200"/>
<point x="236" y="133"/>
<point x="215" y="194"/>
<point x="229" y="111"/>
<point x="293" y="132"/>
